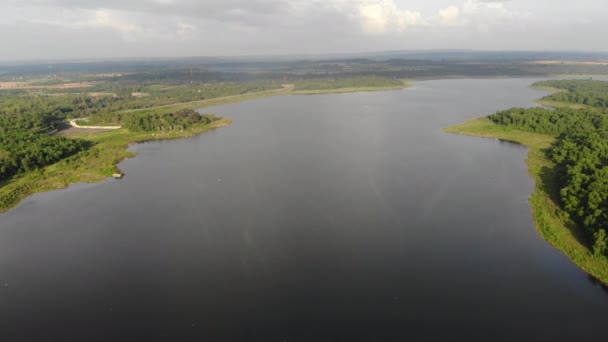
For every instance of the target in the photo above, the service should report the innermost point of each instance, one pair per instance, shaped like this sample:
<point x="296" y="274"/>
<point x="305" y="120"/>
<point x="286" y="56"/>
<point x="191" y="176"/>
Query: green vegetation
<point x="580" y="154"/>
<point x="33" y="159"/>
<point x="24" y="143"/>
<point x="580" y="93"/>
<point x="569" y="161"/>
<point x="94" y="164"/>
<point x="344" y="85"/>
<point x="180" y="120"/>
<point x="22" y="152"/>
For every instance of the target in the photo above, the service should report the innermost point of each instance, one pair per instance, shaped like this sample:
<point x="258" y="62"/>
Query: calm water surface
<point x="329" y="218"/>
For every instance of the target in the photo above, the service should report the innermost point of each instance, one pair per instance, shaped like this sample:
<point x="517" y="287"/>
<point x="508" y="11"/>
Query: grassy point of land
<point x="350" y="89"/>
<point x="93" y="165"/>
<point x="110" y="147"/>
<point x="551" y="221"/>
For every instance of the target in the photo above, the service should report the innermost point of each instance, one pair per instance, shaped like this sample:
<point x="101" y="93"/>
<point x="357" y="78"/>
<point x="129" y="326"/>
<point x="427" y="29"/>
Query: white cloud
<point x="294" y="26"/>
<point x="185" y="31"/>
<point x="383" y="16"/>
<point x="450" y="15"/>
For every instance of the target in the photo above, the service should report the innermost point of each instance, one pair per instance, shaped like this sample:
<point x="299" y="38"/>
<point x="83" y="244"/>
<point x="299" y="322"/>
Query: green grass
<point x="93" y="165"/>
<point x="348" y="90"/>
<point x="559" y="104"/>
<point x="551" y="221"/>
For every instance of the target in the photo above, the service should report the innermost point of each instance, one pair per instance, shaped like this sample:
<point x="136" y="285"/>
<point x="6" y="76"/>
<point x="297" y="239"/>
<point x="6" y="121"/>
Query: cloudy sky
<point x="35" y="29"/>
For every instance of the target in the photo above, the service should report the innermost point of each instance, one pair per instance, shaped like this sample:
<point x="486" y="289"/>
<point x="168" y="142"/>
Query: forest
<point x="28" y="120"/>
<point x="586" y="92"/>
<point x="179" y="120"/>
<point x="25" y="122"/>
<point x="30" y="117"/>
<point x="580" y="153"/>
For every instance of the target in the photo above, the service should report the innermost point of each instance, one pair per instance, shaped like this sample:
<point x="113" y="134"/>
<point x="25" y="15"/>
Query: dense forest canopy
<point x="22" y="151"/>
<point x="580" y="152"/>
<point x="25" y="124"/>
<point x="179" y="120"/>
<point x="587" y="92"/>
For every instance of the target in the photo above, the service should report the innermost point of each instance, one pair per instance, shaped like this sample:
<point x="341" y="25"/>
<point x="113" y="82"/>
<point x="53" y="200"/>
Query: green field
<point x="551" y="221"/>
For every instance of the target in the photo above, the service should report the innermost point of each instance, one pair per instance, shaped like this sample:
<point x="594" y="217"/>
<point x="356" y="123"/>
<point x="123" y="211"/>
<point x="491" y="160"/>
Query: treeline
<point x="42" y="113"/>
<point x="121" y="96"/>
<point x="338" y="83"/>
<point x="24" y="151"/>
<point x="553" y="122"/>
<point x="25" y="122"/>
<point x="581" y="156"/>
<point x="587" y="92"/>
<point x="180" y="120"/>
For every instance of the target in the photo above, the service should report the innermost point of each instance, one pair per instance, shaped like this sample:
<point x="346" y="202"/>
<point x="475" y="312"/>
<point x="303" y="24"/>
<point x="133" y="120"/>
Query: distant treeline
<point x="587" y="92"/>
<point x="580" y="153"/>
<point x="354" y="82"/>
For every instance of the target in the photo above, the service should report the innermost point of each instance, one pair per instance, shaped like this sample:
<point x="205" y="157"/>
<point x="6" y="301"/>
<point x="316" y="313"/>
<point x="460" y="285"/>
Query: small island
<point x="568" y="159"/>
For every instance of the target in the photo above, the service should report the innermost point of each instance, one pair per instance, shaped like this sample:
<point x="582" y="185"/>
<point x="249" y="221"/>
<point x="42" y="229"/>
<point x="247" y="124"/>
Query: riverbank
<point x="110" y="147"/>
<point x="93" y="165"/>
<point x="551" y="221"/>
<point x="348" y="90"/>
<point x="287" y="89"/>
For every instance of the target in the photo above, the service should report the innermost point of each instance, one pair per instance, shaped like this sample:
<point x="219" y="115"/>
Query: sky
<point x="57" y="29"/>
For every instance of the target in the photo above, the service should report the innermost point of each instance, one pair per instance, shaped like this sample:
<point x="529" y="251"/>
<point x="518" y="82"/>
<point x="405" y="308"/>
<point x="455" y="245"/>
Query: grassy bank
<point x="109" y="148"/>
<point x="348" y="90"/>
<point x="213" y="102"/>
<point x="287" y="90"/>
<point x="94" y="165"/>
<point x="551" y="221"/>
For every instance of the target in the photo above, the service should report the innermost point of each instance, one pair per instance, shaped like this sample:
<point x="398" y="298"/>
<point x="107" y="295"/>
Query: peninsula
<point x="49" y="140"/>
<point x="568" y="150"/>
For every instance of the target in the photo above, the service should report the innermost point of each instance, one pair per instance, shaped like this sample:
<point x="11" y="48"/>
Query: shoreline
<point x="551" y="222"/>
<point x="94" y="165"/>
<point x="111" y="147"/>
<point x="406" y="85"/>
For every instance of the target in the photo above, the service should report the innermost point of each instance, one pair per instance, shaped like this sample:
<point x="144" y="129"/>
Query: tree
<point x="601" y="243"/>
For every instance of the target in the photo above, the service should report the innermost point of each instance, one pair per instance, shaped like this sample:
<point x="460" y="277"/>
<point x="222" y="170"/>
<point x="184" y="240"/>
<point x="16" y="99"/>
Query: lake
<point x="346" y="217"/>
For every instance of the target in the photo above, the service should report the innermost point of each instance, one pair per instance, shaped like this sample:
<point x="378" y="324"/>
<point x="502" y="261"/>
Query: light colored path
<point x="74" y="124"/>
